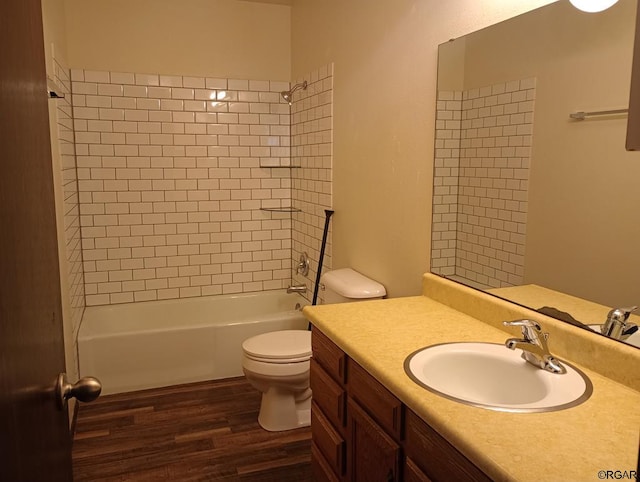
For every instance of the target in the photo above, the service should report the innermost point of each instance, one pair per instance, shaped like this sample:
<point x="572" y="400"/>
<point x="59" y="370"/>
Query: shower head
<point x="287" y="95"/>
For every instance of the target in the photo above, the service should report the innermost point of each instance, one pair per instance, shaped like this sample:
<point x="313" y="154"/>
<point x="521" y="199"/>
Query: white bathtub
<point x="159" y="343"/>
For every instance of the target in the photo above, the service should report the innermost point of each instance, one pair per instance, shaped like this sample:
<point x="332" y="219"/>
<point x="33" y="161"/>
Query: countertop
<point x="585" y="311"/>
<point x="569" y="445"/>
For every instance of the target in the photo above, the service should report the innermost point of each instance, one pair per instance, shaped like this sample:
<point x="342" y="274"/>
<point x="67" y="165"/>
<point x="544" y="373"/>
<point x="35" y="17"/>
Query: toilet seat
<point x="285" y="346"/>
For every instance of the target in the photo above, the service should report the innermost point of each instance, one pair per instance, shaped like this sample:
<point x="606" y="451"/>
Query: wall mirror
<point x="536" y="199"/>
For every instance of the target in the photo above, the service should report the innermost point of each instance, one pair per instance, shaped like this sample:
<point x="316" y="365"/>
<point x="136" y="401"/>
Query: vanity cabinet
<point x="433" y="455"/>
<point x="361" y="432"/>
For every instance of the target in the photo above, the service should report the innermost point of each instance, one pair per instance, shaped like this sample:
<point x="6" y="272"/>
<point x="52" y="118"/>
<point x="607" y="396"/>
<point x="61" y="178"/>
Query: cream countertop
<point x="585" y="311"/>
<point x="567" y="445"/>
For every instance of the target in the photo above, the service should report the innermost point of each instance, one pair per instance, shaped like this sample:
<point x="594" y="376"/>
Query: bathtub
<point x="160" y="343"/>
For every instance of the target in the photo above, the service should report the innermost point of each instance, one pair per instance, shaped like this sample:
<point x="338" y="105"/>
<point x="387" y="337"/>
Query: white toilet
<point x="277" y="363"/>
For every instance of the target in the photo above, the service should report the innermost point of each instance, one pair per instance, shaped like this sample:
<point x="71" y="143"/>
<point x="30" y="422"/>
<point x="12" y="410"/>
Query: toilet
<point x="277" y="363"/>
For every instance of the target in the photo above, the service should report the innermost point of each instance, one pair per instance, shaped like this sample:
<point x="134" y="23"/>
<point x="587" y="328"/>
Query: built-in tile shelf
<point x="281" y="167"/>
<point x="278" y="163"/>
<point x="282" y="210"/>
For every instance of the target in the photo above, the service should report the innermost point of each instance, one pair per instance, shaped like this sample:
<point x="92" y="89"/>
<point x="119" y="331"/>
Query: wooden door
<point x="34" y="436"/>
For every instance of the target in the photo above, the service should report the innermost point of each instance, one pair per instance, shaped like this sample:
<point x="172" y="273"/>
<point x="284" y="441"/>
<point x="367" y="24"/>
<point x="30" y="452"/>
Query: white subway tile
<point x="86" y="113"/>
<point x="171" y="81"/>
<point x="159" y="116"/>
<point x="195" y="129"/>
<point x="77" y="75"/>
<point x="136" y="115"/>
<point x="205" y="94"/>
<point x="159" y="92"/>
<point x="148" y="104"/>
<point x="213" y="83"/>
<point x="238" y="84"/>
<point x="135" y="91"/>
<point x="147" y="79"/>
<point x="111" y="114"/>
<point x="125" y="126"/>
<point x="122" y="78"/>
<point x="112" y="90"/>
<point x="96" y="76"/>
<point x="182" y="116"/>
<point x="166" y="104"/>
<point x="180" y="93"/>
<point x="123" y="103"/>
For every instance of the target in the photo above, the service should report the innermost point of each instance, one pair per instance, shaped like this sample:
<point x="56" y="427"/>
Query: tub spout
<point x="301" y="288"/>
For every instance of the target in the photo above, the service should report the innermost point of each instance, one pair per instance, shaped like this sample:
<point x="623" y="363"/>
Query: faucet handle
<point x="621" y="314"/>
<point x="530" y="329"/>
<point x="616" y="324"/>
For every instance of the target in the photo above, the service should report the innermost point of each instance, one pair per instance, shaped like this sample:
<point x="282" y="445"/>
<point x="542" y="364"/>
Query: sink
<point x="633" y="340"/>
<point x="491" y="376"/>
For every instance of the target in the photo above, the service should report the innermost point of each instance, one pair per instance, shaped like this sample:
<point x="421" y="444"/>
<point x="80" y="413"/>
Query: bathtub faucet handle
<point x="301" y="288"/>
<point x="303" y="265"/>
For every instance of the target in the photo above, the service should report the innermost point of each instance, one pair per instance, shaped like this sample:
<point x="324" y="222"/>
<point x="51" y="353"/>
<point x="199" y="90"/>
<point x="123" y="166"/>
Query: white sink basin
<point x="491" y="376"/>
<point x="633" y="340"/>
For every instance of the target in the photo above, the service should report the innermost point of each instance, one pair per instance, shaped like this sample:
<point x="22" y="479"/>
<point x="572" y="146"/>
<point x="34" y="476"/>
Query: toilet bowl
<point x="277" y="363"/>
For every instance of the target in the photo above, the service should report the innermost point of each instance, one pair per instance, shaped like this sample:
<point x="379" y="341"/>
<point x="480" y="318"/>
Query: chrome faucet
<point x="534" y="346"/>
<point x="616" y="326"/>
<point x="301" y="288"/>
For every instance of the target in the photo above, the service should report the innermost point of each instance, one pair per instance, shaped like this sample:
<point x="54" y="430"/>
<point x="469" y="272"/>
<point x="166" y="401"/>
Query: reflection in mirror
<point x="529" y="203"/>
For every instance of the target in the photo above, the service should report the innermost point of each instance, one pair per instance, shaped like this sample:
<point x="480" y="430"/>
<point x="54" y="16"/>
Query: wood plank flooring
<point x="196" y="432"/>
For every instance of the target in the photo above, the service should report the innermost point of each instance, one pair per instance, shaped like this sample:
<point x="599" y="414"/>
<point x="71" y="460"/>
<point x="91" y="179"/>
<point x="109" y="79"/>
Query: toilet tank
<point x="346" y="285"/>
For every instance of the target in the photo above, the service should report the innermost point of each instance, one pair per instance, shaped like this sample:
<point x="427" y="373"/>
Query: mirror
<point x="531" y="204"/>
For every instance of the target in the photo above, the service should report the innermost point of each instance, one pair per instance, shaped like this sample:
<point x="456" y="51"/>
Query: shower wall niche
<point x="481" y="182"/>
<point x="176" y="174"/>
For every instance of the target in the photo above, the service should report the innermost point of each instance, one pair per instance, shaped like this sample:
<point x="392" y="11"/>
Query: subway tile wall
<point x="496" y="127"/>
<point x="72" y="241"/>
<point x="446" y="183"/>
<point x="312" y="156"/>
<point x="173" y="172"/>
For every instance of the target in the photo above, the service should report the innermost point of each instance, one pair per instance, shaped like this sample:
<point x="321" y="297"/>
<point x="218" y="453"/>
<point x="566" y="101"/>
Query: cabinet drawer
<point x="381" y="404"/>
<point x="329" y="396"/>
<point x="329" y="442"/>
<point x="328" y="355"/>
<point x="436" y="457"/>
<point x="320" y="470"/>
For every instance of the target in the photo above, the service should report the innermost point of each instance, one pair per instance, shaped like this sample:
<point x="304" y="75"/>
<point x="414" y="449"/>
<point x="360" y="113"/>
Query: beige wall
<point x="385" y="56"/>
<point x="55" y="36"/>
<point x="214" y="38"/>
<point x="582" y="230"/>
<point x="55" y="45"/>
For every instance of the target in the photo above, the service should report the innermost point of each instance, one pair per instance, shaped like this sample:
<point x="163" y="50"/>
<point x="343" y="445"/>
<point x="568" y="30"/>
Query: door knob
<point x="87" y="389"/>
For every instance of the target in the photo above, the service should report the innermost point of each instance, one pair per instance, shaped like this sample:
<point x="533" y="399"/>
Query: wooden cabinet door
<point x="373" y="455"/>
<point x="320" y="469"/>
<point x="436" y="457"/>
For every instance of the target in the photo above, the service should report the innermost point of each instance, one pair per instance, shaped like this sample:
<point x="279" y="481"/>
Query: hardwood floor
<point x="195" y="432"/>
